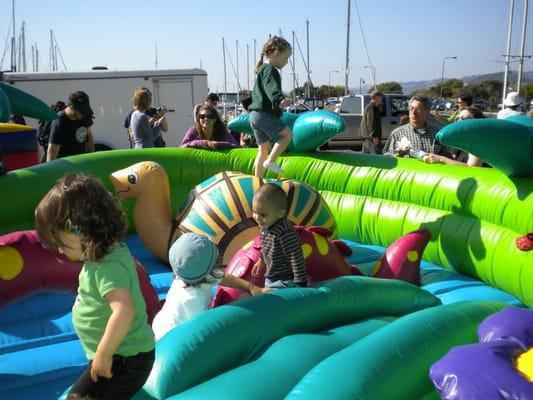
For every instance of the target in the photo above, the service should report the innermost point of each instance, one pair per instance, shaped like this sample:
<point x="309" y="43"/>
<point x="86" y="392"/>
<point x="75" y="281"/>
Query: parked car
<point x="298" y="108"/>
<point x="351" y="108"/>
<point x="480" y="103"/>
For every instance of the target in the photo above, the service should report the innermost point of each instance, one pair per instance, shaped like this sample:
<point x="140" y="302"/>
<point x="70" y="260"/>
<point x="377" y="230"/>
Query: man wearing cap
<point x="70" y="133"/>
<point x="511" y="106"/>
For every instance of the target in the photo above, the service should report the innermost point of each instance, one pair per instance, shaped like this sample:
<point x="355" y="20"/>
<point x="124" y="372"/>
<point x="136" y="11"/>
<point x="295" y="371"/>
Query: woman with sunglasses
<point x="208" y="131"/>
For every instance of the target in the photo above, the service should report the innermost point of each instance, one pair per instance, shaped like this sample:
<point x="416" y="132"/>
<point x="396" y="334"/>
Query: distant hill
<point x="411" y="86"/>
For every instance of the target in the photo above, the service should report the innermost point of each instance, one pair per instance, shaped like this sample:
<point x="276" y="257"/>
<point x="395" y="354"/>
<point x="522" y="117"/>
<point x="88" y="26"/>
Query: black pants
<point x="129" y="375"/>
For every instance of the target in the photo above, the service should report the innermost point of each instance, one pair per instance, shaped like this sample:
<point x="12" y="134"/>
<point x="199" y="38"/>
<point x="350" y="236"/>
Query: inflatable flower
<point x="499" y="367"/>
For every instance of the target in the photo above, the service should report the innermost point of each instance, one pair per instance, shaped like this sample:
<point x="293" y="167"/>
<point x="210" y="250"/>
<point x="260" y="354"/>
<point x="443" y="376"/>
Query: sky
<point x="407" y="40"/>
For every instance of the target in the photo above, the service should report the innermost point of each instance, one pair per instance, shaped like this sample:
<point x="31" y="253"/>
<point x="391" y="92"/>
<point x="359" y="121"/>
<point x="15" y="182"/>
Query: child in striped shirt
<point x="281" y="248"/>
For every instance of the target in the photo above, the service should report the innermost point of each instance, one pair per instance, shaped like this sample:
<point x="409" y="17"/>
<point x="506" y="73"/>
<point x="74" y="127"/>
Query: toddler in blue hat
<point x="193" y="259"/>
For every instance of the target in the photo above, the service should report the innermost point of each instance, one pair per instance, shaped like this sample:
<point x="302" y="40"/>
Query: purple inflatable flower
<point x="500" y="367"/>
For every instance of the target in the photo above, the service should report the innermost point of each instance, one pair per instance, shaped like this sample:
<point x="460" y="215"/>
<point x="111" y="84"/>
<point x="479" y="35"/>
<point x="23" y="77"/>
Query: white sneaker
<point x="273" y="167"/>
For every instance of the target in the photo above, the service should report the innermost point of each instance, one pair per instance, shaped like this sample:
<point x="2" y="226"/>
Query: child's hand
<point x="258" y="266"/>
<point x="101" y="366"/>
<point x="255" y="290"/>
<point x="284" y="103"/>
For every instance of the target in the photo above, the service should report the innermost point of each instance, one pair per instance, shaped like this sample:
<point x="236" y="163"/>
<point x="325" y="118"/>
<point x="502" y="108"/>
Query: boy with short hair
<point x="281" y="248"/>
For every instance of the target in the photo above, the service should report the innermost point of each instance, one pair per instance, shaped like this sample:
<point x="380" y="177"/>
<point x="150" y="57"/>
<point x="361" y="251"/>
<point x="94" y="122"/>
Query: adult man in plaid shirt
<point x="416" y="136"/>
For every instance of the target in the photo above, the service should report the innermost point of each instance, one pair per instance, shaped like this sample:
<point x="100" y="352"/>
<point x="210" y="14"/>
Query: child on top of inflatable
<point x="281" y="249"/>
<point x="193" y="259"/>
<point x="80" y="219"/>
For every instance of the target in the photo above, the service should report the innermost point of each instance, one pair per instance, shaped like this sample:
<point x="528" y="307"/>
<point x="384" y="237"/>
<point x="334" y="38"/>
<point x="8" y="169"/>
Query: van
<point x="110" y="94"/>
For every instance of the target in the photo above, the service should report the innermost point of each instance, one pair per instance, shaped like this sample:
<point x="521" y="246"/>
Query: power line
<point x="372" y="68"/>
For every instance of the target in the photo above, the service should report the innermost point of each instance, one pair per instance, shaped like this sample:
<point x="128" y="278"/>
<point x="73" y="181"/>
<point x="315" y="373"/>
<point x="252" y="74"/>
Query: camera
<point x="161" y="109"/>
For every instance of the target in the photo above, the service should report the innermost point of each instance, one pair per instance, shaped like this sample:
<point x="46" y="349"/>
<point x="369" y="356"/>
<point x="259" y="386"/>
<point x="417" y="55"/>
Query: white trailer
<point x="110" y="94"/>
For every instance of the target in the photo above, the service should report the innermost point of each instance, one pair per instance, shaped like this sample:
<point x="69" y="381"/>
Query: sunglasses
<point x="208" y="116"/>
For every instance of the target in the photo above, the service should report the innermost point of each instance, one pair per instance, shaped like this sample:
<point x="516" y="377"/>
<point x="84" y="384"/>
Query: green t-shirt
<point x="267" y="93"/>
<point x="91" y="309"/>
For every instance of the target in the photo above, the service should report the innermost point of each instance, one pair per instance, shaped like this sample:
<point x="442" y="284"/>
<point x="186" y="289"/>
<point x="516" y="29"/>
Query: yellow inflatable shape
<point x="11" y="263"/>
<point x="524" y="364"/>
<point x="14" y="128"/>
<point x="306" y="250"/>
<point x="322" y="244"/>
<point x="412" y="256"/>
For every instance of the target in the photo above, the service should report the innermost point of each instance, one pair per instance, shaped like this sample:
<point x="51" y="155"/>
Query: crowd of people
<point x="417" y="134"/>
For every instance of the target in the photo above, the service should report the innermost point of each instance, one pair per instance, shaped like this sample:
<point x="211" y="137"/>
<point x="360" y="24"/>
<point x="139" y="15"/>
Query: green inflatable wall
<point x="474" y="214"/>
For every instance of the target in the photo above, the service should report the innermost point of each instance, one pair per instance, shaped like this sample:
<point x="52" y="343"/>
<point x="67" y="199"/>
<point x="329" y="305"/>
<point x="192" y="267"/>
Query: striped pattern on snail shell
<point x="222" y="206"/>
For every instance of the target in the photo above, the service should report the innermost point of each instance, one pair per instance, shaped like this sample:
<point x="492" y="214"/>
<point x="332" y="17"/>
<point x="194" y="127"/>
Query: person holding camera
<point x="156" y="120"/>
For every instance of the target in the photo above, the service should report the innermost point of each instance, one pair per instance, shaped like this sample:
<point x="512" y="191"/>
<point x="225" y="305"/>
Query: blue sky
<point x="407" y="39"/>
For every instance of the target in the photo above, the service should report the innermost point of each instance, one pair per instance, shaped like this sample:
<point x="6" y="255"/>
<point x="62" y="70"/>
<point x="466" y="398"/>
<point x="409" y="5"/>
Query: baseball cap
<point x="193" y="257"/>
<point x="512" y="99"/>
<point x="80" y="102"/>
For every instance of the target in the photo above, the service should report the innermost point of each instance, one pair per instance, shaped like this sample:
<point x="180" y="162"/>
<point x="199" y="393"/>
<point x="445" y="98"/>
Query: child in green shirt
<point x="81" y="219"/>
<point x="271" y="133"/>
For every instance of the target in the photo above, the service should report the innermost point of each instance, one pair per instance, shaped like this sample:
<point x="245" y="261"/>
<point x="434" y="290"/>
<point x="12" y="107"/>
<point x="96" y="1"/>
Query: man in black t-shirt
<point x="71" y="134"/>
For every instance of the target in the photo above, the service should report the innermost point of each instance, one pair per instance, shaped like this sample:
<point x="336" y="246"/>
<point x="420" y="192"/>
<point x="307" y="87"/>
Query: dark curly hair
<point x="80" y="204"/>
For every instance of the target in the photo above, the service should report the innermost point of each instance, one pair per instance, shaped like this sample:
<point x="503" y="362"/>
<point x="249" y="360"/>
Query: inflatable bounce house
<point x="18" y="143"/>
<point x="409" y="263"/>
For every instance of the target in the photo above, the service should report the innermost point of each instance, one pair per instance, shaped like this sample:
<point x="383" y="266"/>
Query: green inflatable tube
<point x="230" y="336"/>
<point x="25" y="104"/>
<point x="505" y="144"/>
<point x="393" y="362"/>
<point x="310" y="129"/>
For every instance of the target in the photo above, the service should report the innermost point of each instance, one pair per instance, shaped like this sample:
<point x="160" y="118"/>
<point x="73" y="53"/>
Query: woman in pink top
<point x="208" y="131"/>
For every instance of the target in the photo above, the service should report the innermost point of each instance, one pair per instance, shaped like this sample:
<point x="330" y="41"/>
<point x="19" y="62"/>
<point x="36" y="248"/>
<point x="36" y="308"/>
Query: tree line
<point x="490" y="90"/>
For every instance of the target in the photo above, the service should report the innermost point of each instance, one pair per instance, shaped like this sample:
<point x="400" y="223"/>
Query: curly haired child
<point x="81" y="219"/>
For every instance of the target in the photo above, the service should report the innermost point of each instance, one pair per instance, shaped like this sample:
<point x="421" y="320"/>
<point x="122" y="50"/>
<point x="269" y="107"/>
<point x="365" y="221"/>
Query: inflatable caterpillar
<point x="220" y="207"/>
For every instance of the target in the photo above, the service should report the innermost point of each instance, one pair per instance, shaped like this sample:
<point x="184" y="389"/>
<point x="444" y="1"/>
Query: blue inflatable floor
<point x="40" y="355"/>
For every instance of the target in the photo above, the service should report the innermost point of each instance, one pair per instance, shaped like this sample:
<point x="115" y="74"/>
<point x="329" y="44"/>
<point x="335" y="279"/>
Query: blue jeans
<point x="280" y="284"/>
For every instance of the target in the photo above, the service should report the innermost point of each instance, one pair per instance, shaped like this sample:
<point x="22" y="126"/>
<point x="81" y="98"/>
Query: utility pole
<point x="522" y="48"/>
<point x="347" y="50"/>
<point x="508" y="52"/>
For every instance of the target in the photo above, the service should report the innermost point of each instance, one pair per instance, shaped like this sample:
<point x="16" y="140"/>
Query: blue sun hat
<point x="193" y="257"/>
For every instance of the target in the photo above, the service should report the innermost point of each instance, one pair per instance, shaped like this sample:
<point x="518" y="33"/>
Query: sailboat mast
<point x="308" y="65"/>
<point x="347" y="70"/>
<point x="13" y="41"/>
<point x="225" y="81"/>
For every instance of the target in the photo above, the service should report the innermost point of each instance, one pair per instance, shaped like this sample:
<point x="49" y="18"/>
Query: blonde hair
<point x="275" y="43"/>
<point x="142" y="99"/>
